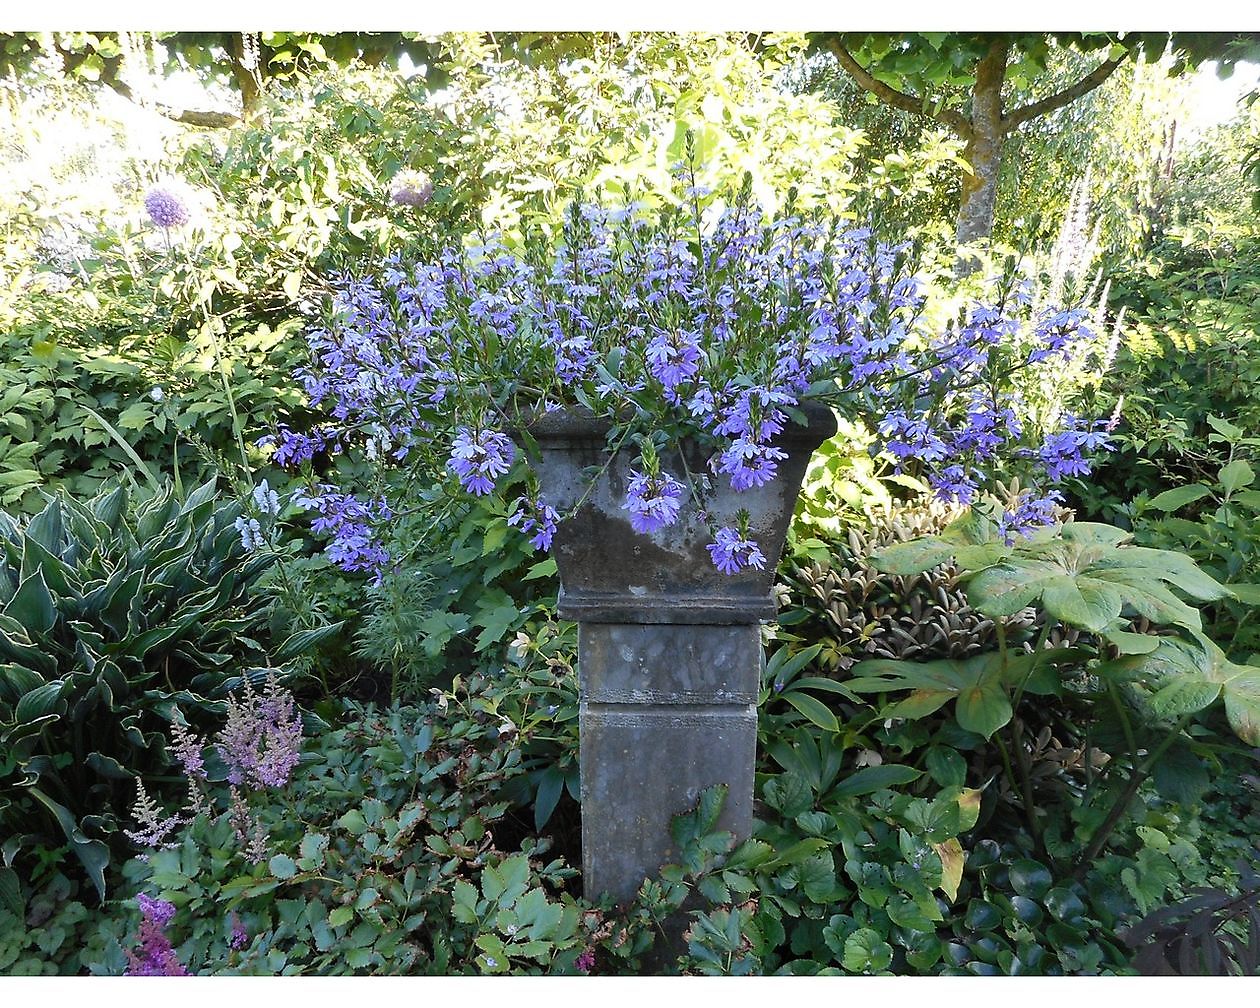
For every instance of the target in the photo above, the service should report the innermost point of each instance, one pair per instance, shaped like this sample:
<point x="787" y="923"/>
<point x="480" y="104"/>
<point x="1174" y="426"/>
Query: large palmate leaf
<point x="1085" y="575"/>
<point x="1192" y="674"/>
<point x="979" y="686"/>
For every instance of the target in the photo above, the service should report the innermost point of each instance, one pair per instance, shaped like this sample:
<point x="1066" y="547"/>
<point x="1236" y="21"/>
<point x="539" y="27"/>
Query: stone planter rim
<point x="573" y="422"/>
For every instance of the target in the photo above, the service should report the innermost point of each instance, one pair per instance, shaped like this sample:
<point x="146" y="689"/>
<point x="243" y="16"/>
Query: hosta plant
<point x="113" y="612"/>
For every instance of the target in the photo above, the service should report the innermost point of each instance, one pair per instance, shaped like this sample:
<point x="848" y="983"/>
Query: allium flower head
<point x="411" y="188"/>
<point x="166" y="207"/>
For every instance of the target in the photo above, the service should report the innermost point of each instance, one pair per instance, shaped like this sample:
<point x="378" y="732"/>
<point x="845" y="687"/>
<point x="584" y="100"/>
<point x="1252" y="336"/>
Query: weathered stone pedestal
<point x="668" y="647"/>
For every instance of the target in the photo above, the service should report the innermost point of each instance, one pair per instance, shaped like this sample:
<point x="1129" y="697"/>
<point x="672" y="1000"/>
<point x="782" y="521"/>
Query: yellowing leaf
<point x="952" y="857"/>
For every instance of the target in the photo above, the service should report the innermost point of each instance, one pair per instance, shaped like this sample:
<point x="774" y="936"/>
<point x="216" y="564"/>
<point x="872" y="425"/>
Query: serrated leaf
<point x="912" y="557"/>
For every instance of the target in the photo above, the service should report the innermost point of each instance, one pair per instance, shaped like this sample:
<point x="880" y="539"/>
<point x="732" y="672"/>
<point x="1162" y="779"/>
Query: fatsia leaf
<point x="913" y="557"/>
<point x="1082" y="602"/>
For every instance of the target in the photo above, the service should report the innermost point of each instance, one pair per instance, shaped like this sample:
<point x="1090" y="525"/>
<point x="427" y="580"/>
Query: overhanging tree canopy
<point x="961" y="80"/>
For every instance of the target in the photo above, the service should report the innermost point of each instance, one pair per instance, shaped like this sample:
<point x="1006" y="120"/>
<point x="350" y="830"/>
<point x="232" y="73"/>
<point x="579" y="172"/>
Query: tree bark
<point x="248" y="78"/>
<point x="984" y="147"/>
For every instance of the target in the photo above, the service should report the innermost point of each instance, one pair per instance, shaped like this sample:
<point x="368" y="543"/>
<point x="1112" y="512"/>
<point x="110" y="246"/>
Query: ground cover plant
<point x="282" y="686"/>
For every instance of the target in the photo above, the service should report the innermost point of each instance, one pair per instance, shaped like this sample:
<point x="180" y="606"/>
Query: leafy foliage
<point x="111" y="614"/>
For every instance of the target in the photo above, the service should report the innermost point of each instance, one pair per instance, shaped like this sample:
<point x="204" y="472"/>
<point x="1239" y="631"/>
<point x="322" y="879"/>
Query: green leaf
<point x="303" y="641"/>
<point x="11" y="897"/>
<point x="1235" y="476"/>
<point x="33" y="606"/>
<point x="984" y="707"/>
<point x="913" y="557"/>
<point x="871" y="779"/>
<point x="1082" y="602"/>
<point x="814" y="709"/>
<point x="339" y="916"/>
<point x="1171" y="500"/>
<point x="1183" y="695"/>
<point x="1008" y="587"/>
<point x="1249" y="593"/>
<point x="550" y="787"/>
<point x="282" y="866"/>
<point x="866" y="952"/>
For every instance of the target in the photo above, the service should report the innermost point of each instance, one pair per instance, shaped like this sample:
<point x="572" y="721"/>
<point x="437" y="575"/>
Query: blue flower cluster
<point x="706" y="321"/>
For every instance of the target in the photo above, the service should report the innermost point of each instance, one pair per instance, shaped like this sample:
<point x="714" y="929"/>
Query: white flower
<point x="156" y="393"/>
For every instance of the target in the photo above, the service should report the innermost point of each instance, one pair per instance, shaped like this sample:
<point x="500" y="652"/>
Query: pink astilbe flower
<point x="188" y="750"/>
<point x="262" y="740"/>
<point x="156" y="956"/>
<point x="154" y="829"/>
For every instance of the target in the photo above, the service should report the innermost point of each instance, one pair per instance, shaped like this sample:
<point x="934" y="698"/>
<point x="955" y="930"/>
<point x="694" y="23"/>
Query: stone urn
<point x="669" y="649"/>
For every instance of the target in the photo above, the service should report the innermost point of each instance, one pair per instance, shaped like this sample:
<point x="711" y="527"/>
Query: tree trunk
<point x="248" y="74"/>
<point x="984" y="147"/>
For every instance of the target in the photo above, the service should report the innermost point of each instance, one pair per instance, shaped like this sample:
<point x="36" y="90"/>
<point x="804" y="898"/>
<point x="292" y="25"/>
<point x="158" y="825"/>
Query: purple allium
<point x="732" y="553"/>
<point x="586" y="961"/>
<point x="536" y="519"/>
<point x="262" y="740"/>
<point x="478" y="459"/>
<point x="165" y="208"/>
<point x="411" y="188"/>
<point x="156" y="956"/>
<point x="653" y="501"/>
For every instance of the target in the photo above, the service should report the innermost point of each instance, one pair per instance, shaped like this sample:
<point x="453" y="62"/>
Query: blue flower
<point x="732" y="553"/>
<point x="653" y="501"/>
<point x="479" y="458"/>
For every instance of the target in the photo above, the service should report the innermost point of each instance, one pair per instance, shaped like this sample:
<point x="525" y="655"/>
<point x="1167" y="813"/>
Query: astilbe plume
<point x="155" y="955"/>
<point x="261" y="742"/>
<point x="154" y="829"/>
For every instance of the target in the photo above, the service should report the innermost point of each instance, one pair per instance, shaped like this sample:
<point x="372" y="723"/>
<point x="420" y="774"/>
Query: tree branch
<point x="1019" y="116"/>
<point x="897" y="99"/>
<point x="110" y="76"/>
